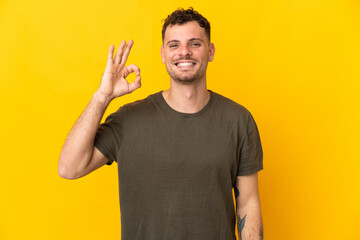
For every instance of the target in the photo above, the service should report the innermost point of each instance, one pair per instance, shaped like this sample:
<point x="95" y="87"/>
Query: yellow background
<point x="293" y="64"/>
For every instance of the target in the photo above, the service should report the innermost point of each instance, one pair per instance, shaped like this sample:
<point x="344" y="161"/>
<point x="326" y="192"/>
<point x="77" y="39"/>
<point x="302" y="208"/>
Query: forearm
<point x="79" y="144"/>
<point x="250" y="221"/>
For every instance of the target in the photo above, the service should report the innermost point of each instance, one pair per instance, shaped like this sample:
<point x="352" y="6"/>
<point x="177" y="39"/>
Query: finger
<point x="119" y="52"/>
<point x="126" y="52"/>
<point x="133" y="68"/>
<point x="110" y="55"/>
<point x="135" y="84"/>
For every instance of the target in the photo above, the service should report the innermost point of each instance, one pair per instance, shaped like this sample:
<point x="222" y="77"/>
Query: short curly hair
<point x="181" y="16"/>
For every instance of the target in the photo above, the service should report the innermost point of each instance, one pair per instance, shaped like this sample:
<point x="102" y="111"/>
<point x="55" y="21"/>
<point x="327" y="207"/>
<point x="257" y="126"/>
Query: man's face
<point x="186" y="52"/>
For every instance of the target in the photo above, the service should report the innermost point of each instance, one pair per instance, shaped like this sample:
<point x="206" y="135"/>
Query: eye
<point x="195" y="44"/>
<point x="172" y="45"/>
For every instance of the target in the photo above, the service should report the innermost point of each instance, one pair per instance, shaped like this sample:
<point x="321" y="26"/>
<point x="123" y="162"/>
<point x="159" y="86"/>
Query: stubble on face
<point x="193" y="36"/>
<point x="185" y="77"/>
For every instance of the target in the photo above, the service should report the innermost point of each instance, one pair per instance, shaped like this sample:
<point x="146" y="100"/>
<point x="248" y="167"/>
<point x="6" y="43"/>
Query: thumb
<point x="135" y="84"/>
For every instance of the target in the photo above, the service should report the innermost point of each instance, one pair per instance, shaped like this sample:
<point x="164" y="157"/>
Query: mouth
<point x="185" y="64"/>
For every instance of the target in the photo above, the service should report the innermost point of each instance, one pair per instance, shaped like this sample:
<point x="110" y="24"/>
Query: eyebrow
<point x="191" y="39"/>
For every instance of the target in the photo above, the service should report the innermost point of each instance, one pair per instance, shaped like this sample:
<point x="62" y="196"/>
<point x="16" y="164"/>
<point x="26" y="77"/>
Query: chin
<point x="183" y="78"/>
<point x="185" y="81"/>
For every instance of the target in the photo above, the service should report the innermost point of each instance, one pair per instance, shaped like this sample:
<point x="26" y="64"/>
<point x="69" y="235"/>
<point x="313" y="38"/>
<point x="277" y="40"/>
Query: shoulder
<point x="133" y="111"/>
<point x="229" y="107"/>
<point x="142" y="106"/>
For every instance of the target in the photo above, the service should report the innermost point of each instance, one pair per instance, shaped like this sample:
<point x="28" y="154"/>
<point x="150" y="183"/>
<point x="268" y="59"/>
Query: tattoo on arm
<point x="261" y="233"/>
<point x="241" y="221"/>
<point x="241" y="224"/>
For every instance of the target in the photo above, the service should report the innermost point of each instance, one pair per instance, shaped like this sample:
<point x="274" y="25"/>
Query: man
<point x="180" y="152"/>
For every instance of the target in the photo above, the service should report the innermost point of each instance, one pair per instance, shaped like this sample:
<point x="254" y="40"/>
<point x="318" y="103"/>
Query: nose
<point x="185" y="51"/>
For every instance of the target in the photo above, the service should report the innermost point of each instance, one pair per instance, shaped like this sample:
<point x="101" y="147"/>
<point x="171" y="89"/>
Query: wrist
<point x="101" y="98"/>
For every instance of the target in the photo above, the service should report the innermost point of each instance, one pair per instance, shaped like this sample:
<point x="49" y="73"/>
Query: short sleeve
<point x="251" y="154"/>
<point x="109" y="136"/>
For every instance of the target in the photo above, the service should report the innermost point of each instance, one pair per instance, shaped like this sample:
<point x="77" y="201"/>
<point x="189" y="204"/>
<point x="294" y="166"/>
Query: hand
<point x="113" y="83"/>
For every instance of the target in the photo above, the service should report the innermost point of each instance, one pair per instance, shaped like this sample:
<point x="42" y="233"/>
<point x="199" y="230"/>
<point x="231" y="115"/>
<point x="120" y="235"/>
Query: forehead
<point x="184" y="31"/>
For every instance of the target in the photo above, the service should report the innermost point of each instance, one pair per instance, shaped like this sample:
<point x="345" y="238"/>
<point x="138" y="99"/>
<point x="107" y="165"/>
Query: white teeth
<point x="185" y="64"/>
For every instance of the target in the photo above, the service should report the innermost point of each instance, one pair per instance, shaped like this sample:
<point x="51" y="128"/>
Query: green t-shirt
<point x="177" y="170"/>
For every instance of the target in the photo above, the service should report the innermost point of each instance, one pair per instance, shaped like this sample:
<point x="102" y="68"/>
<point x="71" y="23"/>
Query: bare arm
<point x="78" y="156"/>
<point x="248" y="208"/>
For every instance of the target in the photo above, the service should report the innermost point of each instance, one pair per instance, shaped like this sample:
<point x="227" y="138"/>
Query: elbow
<point x="65" y="172"/>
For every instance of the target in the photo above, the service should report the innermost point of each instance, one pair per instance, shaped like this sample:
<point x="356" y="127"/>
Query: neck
<point x="187" y="98"/>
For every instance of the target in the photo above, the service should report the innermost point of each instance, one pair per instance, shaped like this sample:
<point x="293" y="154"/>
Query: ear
<point x="162" y="54"/>
<point x="211" y="52"/>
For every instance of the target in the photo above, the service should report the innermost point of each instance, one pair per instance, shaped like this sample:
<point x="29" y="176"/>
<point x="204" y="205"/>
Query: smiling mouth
<point x="185" y="64"/>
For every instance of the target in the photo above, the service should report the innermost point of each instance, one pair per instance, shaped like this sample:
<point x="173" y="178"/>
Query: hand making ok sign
<point x="113" y="83"/>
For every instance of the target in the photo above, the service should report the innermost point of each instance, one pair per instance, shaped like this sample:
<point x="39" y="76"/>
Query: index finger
<point x="126" y="52"/>
<point x="119" y="52"/>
